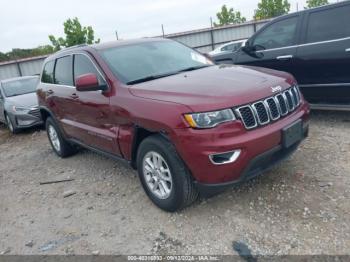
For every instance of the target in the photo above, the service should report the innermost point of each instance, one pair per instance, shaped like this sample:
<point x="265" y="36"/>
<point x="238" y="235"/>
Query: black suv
<point x="313" y="45"/>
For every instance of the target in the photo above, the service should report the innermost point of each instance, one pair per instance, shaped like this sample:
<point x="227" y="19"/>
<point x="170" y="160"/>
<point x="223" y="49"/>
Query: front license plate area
<point x="292" y="134"/>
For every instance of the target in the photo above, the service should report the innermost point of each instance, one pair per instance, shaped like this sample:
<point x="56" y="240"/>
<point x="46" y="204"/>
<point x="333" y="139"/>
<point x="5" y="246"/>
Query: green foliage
<point x="315" y="3"/>
<point x="229" y="16"/>
<point x="18" y="53"/>
<point x="3" y="57"/>
<point x="75" y="33"/>
<point x="271" y="8"/>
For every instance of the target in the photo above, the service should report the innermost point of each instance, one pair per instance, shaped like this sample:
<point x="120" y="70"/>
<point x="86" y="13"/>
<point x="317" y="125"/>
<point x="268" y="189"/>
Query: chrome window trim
<point x="78" y="53"/>
<point x="257" y="114"/>
<point x="269" y="111"/>
<point x="306" y="44"/>
<point x="325" y="85"/>
<point x="240" y="116"/>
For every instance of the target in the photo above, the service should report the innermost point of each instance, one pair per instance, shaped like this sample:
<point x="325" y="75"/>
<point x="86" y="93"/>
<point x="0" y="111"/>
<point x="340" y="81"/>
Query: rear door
<point x="62" y="94"/>
<point x="275" y="45"/>
<point x="323" y="58"/>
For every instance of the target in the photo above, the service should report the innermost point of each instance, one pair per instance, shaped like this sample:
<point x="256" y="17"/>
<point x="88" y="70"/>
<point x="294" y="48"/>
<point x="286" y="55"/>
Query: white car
<point x="228" y="47"/>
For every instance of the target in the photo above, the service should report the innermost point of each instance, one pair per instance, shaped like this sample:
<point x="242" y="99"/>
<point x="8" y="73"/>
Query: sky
<point x="27" y="23"/>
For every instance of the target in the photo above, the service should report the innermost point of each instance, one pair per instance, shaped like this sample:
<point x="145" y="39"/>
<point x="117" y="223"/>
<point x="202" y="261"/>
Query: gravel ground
<point x="299" y="207"/>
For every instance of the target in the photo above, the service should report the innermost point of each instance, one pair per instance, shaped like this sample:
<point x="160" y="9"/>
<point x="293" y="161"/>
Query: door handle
<point x="347" y="50"/>
<point x="49" y="92"/>
<point x="284" y="57"/>
<point x="74" y="96"/>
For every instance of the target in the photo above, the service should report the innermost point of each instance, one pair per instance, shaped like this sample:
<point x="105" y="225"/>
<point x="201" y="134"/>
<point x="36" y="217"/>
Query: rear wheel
<point x="10" y="125"/>
<point x="163" y="175"/>
<point x="59" y="144"/>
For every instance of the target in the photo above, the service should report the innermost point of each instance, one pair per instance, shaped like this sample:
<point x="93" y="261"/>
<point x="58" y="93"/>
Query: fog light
<point x="225" y="158"/>
<point x="25" y="122"/>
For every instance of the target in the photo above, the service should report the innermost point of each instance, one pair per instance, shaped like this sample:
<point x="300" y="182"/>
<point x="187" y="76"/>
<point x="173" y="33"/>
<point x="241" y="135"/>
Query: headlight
<point x="209" y="119"/>
<point x="20" y="109"/>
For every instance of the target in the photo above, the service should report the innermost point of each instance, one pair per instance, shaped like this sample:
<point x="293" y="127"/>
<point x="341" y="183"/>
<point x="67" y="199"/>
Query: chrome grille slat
<point x="261" y="113"/>
<point x="270" y="109"/>
<point x="246" y="113"/>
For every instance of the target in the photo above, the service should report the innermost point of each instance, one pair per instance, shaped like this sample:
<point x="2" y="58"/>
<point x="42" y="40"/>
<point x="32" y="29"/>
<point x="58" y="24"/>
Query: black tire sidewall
<point x="8" y="123"/>
<point x="177" y="169"/>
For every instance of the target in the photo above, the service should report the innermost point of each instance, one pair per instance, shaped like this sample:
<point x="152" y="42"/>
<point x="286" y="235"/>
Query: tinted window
<point x="138" y="61"/>
<point x="47" y="75"/>
<point x="279" y="34"/>
<point x="63" y="71"/>
<point x="329" y="24"/>
<point x="83" y="65"/>
<point x="20" y="87"/>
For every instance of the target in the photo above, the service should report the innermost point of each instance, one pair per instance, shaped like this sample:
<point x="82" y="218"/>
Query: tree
<point x="271" y="8"/>
<point x="75" y="33"/>
<point x="228" y="16"/>
<point x="3" y="57"/>
<point x="315" y="3"/>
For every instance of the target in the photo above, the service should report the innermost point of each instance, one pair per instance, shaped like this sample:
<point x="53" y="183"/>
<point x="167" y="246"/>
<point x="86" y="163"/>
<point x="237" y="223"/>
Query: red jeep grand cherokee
<point x="187" y="125"/>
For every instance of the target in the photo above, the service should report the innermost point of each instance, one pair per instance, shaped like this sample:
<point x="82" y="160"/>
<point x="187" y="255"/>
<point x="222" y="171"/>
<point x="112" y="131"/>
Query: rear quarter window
<point x="328" y="24"/>
<point x="47" y="75"/>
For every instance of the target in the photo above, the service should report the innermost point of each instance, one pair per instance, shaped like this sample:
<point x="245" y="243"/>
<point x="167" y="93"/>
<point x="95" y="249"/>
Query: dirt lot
<point x="299" y="207"/>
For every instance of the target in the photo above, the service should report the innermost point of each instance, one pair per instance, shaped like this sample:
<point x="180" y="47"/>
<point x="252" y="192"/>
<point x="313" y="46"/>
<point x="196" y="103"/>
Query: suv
<point x="313" y="45"/>
<point x="186" y="125"/>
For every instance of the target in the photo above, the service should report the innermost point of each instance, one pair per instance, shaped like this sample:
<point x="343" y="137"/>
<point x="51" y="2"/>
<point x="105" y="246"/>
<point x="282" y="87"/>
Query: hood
<point x="26" y="100"/>
<point x="214" y="87"/>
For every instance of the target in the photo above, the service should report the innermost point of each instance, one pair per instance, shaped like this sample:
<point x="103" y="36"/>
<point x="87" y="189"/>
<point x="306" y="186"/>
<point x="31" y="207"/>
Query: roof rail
<point x="71" y="47"/>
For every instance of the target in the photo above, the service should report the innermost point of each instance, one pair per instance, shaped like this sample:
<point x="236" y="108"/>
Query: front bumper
<point x="194" y="147"/>
<point x="26" y="120"/>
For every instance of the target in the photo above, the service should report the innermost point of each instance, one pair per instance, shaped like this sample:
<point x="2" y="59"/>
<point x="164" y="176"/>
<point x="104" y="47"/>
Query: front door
<point x="274" y="47"/>
<point x="94" y="117"/>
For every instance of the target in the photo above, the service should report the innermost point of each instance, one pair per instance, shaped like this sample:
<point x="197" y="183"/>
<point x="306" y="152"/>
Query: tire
<point x="60" y="145"/>
<point x="10" y="125"/>
<point x="178" y="189"/>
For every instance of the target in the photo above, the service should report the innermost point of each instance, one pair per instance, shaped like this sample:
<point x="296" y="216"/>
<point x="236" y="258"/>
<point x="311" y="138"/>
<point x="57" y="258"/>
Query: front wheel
<point x="163" y="175"/>
<point x="10" y="125"/>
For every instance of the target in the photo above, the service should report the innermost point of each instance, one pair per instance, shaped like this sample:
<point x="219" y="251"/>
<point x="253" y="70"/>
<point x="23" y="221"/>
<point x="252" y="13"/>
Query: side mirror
<point x="88" y="82"/>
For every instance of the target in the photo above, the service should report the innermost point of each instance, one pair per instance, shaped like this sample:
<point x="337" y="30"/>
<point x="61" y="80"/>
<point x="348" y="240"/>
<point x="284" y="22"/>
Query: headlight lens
<point x="20" y="109"/>
<point x="209" y="119"/>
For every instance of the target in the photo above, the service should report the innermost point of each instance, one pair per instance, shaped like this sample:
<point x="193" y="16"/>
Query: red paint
<point x="106" y="120"/>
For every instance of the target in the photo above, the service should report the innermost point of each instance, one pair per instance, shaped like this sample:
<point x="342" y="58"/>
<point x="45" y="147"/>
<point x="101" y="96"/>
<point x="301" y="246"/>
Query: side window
<point x="47" y="75"/>
<point x="328" y="24"/>
<point x="228" y="48"/>
<point x="63" y="71"/>
<point x="279" y="34"/>
<point x="83" y="65"/>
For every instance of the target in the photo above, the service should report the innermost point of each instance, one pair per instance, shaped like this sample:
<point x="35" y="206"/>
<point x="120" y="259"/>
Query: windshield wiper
<point x="153" y="77"/>
<point x="192" y="68"/>
<point x="149" y="78"/>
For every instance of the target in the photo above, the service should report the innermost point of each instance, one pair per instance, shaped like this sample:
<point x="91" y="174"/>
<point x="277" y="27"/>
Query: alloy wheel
<point x="157" y="175"/>
<point x="54" y="138"/>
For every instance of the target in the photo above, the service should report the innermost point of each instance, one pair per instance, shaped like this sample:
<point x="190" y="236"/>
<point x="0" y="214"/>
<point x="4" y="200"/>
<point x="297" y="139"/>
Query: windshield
<point x="150" y="60"/>
<point x="19" y="87"/>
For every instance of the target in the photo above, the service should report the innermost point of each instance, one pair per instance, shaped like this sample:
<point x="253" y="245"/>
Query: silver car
<point x="18" y="103"/>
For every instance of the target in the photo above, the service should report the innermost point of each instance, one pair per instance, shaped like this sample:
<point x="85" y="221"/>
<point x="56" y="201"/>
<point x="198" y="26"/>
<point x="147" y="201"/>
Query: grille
<point x="274" y="111"/>
<point x="35" y="112"/>
<point x="261" y="113"/>
<point x="283" y="104"/>
<point x="246" y="113"/>
<point x="271" y="109"/>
